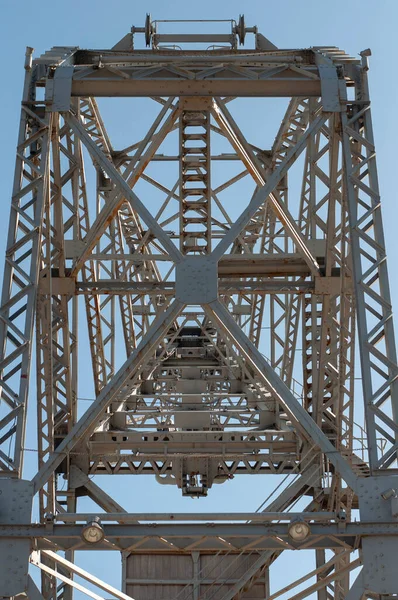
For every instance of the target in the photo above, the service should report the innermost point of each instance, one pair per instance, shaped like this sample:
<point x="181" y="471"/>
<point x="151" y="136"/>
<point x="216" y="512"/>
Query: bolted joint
<point x="197" y="280"/>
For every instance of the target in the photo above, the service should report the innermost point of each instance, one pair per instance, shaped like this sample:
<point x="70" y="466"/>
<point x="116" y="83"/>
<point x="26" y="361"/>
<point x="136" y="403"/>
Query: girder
<point x="202" y="268"/>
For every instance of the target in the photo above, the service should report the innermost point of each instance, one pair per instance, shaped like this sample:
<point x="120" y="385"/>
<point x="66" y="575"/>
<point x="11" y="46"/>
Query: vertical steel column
<point x="375" y="322"/>
<point x="21" y="272"/>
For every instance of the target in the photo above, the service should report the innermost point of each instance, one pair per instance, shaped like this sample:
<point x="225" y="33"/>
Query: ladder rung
<point x="194" y="176"/>
<point x="194" y="192"/>
<point x="196" y="150"/>
<point x="194" y="136"/>
<point x="196" y="220"/>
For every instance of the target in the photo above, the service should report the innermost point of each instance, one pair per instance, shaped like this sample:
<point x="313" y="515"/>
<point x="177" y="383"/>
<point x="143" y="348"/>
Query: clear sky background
<point x="350" y="24"/>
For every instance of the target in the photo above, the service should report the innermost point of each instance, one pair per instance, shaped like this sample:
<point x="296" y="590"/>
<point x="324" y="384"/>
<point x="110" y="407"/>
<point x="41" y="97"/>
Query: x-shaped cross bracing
<point x="204" y="270"/>
<point x="186" y="267"/>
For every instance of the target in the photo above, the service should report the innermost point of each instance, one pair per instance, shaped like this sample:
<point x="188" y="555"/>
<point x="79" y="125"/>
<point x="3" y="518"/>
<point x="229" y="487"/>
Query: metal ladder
<point x="195" y="193"/>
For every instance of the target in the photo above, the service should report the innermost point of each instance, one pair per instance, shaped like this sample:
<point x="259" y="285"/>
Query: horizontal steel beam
<point x="262" y="288"/>
<point x="150" y="58"/>
<point x="171" y="38"/>
<point x="232" y="464"/>
<point x="168" y="288"/>
<point x="215" y="443"/>
<point x="178" y="538"/>
<point x="238" y="86"/>
<point x="67" y="287"/>
<point x="259" y="517"/>
<point x="120" y="287"/>
<point x="262" y="265"/>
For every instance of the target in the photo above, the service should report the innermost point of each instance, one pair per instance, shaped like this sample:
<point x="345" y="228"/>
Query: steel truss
<point x="194" y="315"/>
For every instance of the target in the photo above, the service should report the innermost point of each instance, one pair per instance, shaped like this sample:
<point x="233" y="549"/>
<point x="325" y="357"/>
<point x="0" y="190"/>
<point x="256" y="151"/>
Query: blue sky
<point x="351" y="24"/>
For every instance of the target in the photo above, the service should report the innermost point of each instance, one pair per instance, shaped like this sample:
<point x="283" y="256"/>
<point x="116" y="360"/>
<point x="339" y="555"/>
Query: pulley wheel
<point x="240" y="30"/>
<point x="148" y="29"/>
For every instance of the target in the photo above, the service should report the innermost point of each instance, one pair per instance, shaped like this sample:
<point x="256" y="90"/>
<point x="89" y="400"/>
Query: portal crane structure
<point x="225" y="290"/>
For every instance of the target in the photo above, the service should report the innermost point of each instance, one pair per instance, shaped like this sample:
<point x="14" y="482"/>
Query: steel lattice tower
<point x="194" y="313"/>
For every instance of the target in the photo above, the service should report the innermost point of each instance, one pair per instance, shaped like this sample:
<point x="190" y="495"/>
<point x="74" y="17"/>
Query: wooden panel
<point x="166" y="576"/>
<point x="161" y="566"/>
<point x="158" y="592"/>
<point x="217" y="592"/>
<point x="229" y="566"/>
